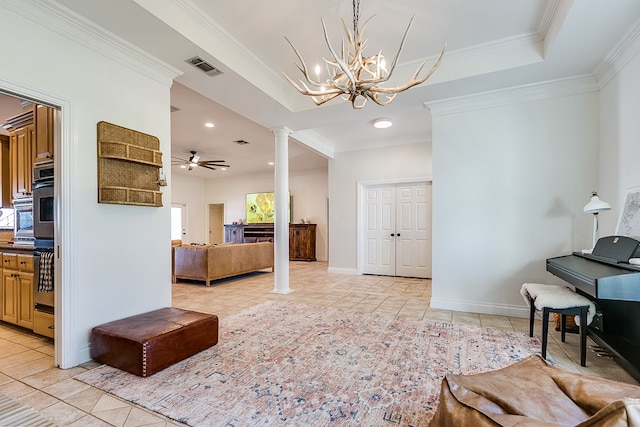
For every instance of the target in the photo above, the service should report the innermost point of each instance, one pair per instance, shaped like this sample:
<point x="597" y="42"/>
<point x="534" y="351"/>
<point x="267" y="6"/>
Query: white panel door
<point x="379" y="226"/>
<point x="397" y="237"/>
<point x="413" y="230"/>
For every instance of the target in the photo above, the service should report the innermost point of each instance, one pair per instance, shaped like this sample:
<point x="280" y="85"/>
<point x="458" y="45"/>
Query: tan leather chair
<point x="533" y="393"/>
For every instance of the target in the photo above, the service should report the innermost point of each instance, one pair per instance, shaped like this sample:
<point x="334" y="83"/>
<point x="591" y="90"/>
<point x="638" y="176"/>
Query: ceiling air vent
<point x="241" y="142"/>
<point x="203" y="65"/>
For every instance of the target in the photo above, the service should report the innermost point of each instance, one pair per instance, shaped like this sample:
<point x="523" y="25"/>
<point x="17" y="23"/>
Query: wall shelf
<point x="128" y="166"/>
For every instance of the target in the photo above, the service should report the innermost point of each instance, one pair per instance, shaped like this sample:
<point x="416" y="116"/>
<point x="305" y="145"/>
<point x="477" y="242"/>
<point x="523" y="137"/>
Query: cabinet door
<point x="25" y="300"/>
<point x="43" y="143"/>
<point x="302" y="242"/>
<point x="233" y="233"/>
<point x="5" y="172"/>
<point x="22" y="161"/>
<point x="9" y="296"/>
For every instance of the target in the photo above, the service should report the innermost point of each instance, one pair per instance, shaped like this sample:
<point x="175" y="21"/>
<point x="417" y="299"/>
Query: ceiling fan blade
<point x="212" y="164"/>
<point x="211" y="161"/>
<point x="207" y="167"/>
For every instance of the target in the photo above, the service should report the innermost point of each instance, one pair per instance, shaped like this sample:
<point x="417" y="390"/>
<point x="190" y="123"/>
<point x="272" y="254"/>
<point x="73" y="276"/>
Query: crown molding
<point x="65" y="22"/>
<point x="627" y="49"/>
<point x="514" y="95"/>
<point x="241" y="59"/>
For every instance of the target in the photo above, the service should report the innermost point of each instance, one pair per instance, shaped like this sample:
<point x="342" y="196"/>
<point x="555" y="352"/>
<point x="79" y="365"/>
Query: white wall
<point x="346" y="170"/>
<point x="114" y="259"/>
<point x="619" y="140"/>
<point x="509" y="186"/>
<point x="308" y="191"/>
<point x="189" y="191"/>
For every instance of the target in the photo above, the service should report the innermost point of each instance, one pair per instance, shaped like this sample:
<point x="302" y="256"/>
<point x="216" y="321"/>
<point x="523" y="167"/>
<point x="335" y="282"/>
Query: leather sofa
<point x="211" y="262"/>
<point x="533" y="393"/>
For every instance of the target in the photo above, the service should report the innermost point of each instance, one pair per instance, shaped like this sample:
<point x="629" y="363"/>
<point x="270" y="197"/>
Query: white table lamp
<point x="595" y="206"/>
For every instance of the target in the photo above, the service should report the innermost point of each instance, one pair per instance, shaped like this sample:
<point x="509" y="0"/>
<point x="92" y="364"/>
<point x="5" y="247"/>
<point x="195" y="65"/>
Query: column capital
<point x="281" y="129"/>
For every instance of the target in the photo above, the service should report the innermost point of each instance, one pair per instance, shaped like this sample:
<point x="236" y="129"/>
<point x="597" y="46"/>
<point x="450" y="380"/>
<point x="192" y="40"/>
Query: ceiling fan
<point x="194" y="161"/>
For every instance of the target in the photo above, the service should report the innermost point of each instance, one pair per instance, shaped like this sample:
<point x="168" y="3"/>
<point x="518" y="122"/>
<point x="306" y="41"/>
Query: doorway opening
<point x="216" y="224"/>
<point x="30" y="135"/>
<point x="178" y="222"/>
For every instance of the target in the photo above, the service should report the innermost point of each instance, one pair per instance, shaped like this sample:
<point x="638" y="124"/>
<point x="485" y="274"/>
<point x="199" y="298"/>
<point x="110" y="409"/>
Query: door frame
<point x="361" y="210"/>
<point x="64" y="119"/>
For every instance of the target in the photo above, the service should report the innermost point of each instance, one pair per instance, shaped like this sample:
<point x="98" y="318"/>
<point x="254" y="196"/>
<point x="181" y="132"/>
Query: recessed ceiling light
<point x="183" y="166"/>
<point x="209" y="125"/>
<point x="382" y="123"/>
<point x="223" y="169"/>
<point x="271" y="163"/>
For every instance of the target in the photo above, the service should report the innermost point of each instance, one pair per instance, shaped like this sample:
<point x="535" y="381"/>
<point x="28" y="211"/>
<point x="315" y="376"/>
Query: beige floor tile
<point x="85" y="399"/>
<point x="62" y="413"/>
<point x="16" y="389"/>
<point x="18" y="356"/>
<point x="30" y="367"/>
<point x="138" y="417"/>
<point x="65" y="386"/>
<point x="112" y="410"/>
<point x="89" y="421"/>
<point x="38" y="400"/>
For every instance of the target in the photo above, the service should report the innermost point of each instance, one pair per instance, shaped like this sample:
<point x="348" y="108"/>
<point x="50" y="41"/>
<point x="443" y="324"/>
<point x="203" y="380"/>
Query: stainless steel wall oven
<point x="43" y="205"/>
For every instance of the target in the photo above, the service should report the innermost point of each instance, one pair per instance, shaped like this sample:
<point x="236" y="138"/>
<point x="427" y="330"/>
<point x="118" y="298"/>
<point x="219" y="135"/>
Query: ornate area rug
<point x="290" y="364"/>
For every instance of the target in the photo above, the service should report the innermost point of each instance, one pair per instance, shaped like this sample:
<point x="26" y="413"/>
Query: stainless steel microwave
<point x="23" y="228"/>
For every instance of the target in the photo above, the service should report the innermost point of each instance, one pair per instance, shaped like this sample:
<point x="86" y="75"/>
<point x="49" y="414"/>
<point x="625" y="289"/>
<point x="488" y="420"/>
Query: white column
<point x="281" y="184"/>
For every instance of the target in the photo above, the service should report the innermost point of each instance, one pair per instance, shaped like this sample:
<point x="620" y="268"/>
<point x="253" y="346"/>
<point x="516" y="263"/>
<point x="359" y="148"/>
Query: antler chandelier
<point x="352" y="73"/>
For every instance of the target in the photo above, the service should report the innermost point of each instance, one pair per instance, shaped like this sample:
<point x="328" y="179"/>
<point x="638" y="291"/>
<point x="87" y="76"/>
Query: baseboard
<point x="482" y="308"/>
<point x="351" y="271"/>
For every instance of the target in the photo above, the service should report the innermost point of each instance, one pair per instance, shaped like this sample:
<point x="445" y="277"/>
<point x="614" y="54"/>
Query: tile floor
<point x="27" y="372"/>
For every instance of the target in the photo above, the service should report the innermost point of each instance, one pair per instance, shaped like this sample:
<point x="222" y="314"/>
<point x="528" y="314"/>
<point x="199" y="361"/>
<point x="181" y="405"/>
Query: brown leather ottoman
<point x="149" y="342"/>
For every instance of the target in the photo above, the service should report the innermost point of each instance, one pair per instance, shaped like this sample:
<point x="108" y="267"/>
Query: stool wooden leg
<point x="532" y="315"/>
<point x="563" y="327"/>
<point x="583" y="335"/>
<point x="545" y="331"/>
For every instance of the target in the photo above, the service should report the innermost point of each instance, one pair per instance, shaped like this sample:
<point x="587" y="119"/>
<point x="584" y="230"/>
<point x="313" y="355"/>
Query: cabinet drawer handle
<point x="51" y="327"/>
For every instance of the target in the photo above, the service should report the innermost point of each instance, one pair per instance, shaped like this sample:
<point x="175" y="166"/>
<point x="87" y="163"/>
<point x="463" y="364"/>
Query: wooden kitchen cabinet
<point x="5" y="172"/>
<point x="302" y="242"/>
<point x="17" y="289"/>
<point x="21" y="147"/>
<point x="30" y="142"/>
<point x="43" y="143"/>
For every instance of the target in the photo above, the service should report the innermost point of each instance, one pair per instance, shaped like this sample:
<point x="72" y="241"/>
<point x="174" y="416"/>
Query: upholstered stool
<point x="146" y="343"/>
<point x="561" y="300"/>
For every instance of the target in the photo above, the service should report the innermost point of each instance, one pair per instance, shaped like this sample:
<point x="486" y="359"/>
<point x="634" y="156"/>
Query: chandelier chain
<point x="356" y="15"/>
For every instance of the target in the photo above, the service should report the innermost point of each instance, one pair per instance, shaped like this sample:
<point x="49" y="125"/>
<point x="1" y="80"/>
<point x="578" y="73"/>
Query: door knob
<point x="392" y="234"/>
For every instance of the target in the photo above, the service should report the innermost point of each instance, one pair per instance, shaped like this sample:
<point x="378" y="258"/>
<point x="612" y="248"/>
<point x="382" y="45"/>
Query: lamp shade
<point x="596" y="205"/>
